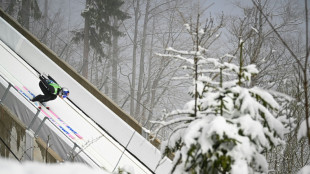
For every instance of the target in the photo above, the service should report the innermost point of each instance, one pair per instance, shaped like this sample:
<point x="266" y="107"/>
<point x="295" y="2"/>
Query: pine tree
<point x="98" y="28"/>
<point x="25" y="10"/>
<point x="228" y="125"/>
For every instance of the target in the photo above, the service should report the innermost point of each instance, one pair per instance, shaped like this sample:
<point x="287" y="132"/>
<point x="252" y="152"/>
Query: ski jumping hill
<point x="87" y="127"/>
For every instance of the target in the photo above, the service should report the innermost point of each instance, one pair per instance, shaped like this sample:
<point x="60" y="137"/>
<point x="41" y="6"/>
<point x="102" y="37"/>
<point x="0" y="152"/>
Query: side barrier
<point x="39" y="125"/>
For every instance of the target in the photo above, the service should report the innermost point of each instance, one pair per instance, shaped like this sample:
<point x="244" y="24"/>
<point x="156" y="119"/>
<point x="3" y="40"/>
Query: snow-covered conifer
<point x="228" y="124"/>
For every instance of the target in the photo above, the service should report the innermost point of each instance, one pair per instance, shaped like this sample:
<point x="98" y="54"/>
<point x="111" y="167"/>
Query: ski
<point x="65" y="124"/>
<point x="29" y="91"/>
<point x="47" y="115"/>
<point x="24" y="94"/>
<point x="54" y="122"/>
<point x="53" y="113"/>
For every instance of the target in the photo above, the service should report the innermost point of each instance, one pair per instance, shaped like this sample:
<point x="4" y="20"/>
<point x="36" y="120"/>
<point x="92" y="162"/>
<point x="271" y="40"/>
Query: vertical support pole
<point x="5" y="93"/>
<point x="71" y="155"/>
<point x="29" y="144"/>
<point x="34" y="118"/>
<point x="40" y="126"/>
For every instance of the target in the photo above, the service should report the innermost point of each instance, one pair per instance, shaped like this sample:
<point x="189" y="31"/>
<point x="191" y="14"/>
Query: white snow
<point x="9" y="166"/>
<point x="254" y="129"/>
<point x="200" y="87"/>
<point x="240" y="167"/>
<point x="188" y="28"/>
<point x="302" y="132"/>
<point x="305" y="170"/>
<point x="201" y="31"/>
<point x="240" y="120"/>
<point x="254" y="29"/>
<point x="265" y="96"/>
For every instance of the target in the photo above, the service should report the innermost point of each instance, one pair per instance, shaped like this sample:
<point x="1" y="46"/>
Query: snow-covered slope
<point x="13" y="167"/>
<point x="111" y="144"/>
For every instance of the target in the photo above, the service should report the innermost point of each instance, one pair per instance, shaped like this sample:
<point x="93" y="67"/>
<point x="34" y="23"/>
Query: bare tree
<point x="302" y="64"/>
<point x="136" y="6"/>
<point x="115" y="62"/>
<point x="141" y="66"/>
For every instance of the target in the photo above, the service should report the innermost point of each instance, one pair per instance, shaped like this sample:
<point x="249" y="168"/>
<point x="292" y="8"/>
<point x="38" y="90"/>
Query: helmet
<point x="64" y="92"/>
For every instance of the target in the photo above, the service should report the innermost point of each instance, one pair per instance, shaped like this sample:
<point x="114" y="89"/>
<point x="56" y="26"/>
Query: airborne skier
<point x="50" y="89"/>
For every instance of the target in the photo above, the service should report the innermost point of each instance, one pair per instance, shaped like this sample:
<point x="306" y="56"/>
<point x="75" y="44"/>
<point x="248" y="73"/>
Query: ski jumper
<point x="49" y="88"/>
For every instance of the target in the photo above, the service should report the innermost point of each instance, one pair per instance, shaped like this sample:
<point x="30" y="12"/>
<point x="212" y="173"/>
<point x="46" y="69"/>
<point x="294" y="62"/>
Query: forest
<point x="193" y="73"/>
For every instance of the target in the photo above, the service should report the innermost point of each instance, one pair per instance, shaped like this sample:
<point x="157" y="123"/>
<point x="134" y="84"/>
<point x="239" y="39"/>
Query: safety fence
<point x="39" y="125"/>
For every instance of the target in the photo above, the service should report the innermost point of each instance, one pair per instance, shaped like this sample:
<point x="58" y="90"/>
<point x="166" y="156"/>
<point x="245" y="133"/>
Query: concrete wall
<point x="13" y="133"/>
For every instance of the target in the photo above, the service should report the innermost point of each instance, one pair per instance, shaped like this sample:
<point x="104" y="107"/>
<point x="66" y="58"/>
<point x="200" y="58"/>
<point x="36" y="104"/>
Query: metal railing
<point x="35" y="117"/>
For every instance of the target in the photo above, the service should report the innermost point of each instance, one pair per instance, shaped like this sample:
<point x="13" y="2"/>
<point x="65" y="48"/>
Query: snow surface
<point x="305" y="170"/>
<point x="302" y="132"/>
<point x="9" y="166"/>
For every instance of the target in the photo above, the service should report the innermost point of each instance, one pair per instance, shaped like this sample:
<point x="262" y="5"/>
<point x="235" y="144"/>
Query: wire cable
<point x="9" y="149"/>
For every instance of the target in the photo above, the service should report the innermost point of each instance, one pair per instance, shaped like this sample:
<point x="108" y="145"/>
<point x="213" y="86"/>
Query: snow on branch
<point x="177" y="56"/>
<point x="302" y="131"/>
<point x="226" y="123"/>
<point x="265" y="96"/>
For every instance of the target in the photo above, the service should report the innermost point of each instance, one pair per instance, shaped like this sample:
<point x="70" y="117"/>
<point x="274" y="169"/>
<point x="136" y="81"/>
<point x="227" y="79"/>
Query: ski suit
<point x="50" y="89"/>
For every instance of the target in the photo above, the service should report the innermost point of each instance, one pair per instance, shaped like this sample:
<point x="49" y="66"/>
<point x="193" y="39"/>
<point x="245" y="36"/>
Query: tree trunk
<point x="306" y="72"/>
<point x="86" y="44"/>
<point x="145" y="119"/>
<point x="196" y="67"/>
<point x="115" y="63"/>
<point x="107" y="71"/>
<point x="134" y="60"/>
<point x="25" y="14"/>
<point x="44" y="38"/>
<point x="141" y="72"/>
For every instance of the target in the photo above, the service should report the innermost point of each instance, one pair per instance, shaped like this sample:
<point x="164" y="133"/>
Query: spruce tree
<point x="98" y="27"/>
<point x="25" y="9"/>
<point x="228" y="124"/>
